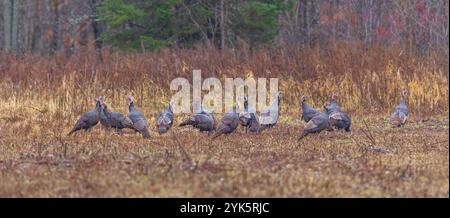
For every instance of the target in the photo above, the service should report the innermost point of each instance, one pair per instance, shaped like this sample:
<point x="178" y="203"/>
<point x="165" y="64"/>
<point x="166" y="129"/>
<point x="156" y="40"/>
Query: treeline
<point x="45" y="26"/>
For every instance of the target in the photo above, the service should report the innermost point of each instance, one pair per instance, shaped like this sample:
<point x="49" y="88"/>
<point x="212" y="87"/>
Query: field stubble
<point x="374" y="160"/>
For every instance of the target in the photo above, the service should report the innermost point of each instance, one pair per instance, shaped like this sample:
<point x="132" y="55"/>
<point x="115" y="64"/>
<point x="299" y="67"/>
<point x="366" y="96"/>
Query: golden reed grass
<point x="366" y="81"/>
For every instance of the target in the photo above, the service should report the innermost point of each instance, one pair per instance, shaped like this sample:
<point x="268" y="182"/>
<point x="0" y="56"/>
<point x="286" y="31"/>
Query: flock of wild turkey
<point x="331" y="118"/>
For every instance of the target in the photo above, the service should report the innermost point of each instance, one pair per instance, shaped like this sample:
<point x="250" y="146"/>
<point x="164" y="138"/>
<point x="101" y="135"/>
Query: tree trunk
<point x="95" y="25"/>
<point x="54" y="44"/>
<point x="14" y="24"/>
<point x="2" y="28"/>
<point x="7" y="17"/>
<point x="222" y="25"/>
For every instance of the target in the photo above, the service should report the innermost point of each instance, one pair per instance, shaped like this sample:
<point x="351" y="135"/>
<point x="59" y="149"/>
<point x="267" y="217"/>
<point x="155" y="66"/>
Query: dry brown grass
<point x="407" y="162"/>
<point x="41" y="98"/>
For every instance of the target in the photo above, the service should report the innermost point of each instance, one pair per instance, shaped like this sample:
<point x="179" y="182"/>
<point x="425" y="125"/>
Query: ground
<point x="374" y="160"/>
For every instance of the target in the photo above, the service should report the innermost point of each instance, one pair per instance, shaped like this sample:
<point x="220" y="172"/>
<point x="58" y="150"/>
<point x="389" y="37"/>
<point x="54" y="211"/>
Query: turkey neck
<point x="279" y="105"/>
<point x="404" y="100"/>
<point x="304" y="105"/>
<point x="105" y="110"/>
<point x="98" y="107"/>
<point x="246" y="106"/>
<point x="131" y="107"/>
<point x="333" y="102"/>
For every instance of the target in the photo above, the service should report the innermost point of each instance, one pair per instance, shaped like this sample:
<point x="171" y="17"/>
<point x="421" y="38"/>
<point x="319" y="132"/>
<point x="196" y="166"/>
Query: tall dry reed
<point x="366" y="80"/>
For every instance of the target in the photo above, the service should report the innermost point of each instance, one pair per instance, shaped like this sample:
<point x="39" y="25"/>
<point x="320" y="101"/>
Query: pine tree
<point x="156" y="24"/>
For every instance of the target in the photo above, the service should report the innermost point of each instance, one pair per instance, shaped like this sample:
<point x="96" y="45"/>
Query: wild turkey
<point x="229" y="123"/>
<point x="400" y="114"/>
<point x="103" y="118"/>
<point x="307" y="111"/>
<point x="202" y="121"/>
<point x="88" y="119"/>
<point x="333" y="106"/>
<point x="116" y="120"/>
<point x="318" y="123"/>
<point x="165" y="120"/>
<point x="138" y="120"/>
<point x="338" y="119"/>
<point x="249" y="120"/>
<point x="255" y="126"/>
<point x="269" y="118"/>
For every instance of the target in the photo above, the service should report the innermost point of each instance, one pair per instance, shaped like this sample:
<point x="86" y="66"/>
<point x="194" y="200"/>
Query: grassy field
<point x="41" y="98"/>
<point x="374" y="160"/>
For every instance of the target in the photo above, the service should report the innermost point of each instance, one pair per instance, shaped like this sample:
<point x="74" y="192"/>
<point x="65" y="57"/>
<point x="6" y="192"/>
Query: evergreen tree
<point x="164" y="23"/>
